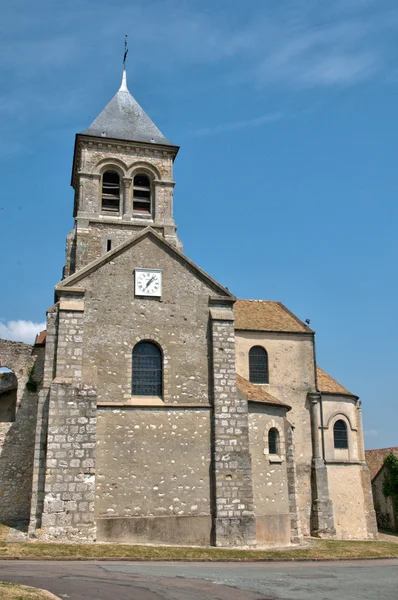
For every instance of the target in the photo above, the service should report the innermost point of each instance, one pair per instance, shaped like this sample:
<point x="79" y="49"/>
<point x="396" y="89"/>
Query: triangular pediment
<point x="77" y="279"/>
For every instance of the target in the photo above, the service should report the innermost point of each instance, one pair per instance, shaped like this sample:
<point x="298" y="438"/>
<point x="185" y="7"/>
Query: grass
<point x="11" y="591"/>
<point x="315" y="550"/>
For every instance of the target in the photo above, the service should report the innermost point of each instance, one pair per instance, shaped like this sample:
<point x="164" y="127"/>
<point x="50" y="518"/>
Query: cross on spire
<point x="125" y="52"/>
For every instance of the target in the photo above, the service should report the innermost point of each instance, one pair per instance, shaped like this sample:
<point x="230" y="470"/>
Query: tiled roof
<point x="267" y="315"/>
<point x="255" y="393"/>
<point x="375" y="459"/>
<point x="328" y="385"/>
<point x="41" y="338"/>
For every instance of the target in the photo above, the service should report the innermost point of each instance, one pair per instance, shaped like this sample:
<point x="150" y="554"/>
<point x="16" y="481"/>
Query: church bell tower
<point x="123" y="180"/>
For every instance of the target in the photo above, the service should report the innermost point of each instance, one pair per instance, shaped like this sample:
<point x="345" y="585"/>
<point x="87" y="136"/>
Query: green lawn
<point x="317" y="549"/>
<point x="11" y="591"/>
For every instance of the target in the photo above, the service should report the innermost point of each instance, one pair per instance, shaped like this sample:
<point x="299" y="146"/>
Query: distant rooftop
<point x="124" y="119"/>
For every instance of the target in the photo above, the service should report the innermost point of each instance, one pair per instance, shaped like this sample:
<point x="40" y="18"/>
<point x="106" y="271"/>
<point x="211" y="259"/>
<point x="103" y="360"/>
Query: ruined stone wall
<point x="270" y="483"/>
<point x="17" y="438"/>
<point x="387" y="518"/>
<point x="153" y="475"/>
<point x="291" y="377"/>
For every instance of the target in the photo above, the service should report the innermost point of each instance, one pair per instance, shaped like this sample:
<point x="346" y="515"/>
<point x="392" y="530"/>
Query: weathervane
<point x="125" y="51"/>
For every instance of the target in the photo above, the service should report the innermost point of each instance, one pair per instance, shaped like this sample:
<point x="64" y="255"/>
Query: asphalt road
<point x="355" y="580"/>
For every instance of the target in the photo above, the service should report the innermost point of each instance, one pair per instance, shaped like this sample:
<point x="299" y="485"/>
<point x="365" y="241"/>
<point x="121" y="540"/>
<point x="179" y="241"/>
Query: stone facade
<point x="87" y="458"/>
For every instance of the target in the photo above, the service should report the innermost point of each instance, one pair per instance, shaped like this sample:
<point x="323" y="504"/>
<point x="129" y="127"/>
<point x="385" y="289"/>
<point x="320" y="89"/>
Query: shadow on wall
<point x="18" y="413"/>
<point x="8" y="396"/>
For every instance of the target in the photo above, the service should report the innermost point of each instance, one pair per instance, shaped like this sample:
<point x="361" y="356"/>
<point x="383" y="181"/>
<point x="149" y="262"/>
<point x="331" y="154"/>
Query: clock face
<point x="148" y="282"/>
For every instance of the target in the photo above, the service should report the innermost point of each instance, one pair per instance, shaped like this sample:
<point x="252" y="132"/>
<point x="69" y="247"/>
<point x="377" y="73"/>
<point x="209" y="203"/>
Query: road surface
<point x="73" y="580"/>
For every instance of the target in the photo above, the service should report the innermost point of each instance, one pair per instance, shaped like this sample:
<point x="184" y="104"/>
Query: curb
<point x="188" y="560"/>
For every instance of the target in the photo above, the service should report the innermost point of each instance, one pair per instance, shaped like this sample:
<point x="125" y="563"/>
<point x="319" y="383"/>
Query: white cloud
<point x="371" y="433"/>
<point x="20" y="331"/>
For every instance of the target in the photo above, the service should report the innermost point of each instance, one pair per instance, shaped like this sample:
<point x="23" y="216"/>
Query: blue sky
<point x="286" y="114"/>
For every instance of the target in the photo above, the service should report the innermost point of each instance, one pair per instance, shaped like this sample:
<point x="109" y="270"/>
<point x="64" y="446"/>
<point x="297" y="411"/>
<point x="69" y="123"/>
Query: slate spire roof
<point x="124" y="119"/>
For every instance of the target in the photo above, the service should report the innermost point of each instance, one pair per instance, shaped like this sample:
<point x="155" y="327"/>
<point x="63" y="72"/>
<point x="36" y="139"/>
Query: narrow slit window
<point x="108" y="245"/>
<point x="258" y="365"/>
<point x="142" y="194"/>
<point x="110" y="192"/>
<point x="147" y="370"/>
<point x="273" y="441"/>
<point x="340" y="435"/>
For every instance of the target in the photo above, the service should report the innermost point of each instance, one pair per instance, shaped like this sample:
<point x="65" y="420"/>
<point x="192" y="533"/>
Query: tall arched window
<point x="147" y="370"/>
<point x="340" y="435"/>
<point x="273" y="441"/>
<point x="110" y="192"/>
<point x="258" y="365"/>
<point x="141" y="194"/>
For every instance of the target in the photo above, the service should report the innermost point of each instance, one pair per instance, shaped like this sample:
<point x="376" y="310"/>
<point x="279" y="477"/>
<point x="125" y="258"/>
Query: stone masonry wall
<point x="234" y="522"/>
<point x="70" y="468"/>
<point x="387" y="518"/>
<point x="115" y="320"/>
<point x="93" y="228"/>
<point x="270" y="484"/>
<point x="17" y="438"/>
<point x="152" y="463"/>
<point x="348" y="501"/>
<point x="291" y="376"/>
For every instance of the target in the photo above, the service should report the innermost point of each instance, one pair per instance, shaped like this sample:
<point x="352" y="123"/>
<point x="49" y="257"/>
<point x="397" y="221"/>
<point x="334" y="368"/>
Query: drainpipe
<point x="320" y="401"/>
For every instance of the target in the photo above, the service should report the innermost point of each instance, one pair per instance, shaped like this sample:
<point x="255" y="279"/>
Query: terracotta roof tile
<point x="328" y="385"/>
<point x="41" y="338"/>
<point x="267" y="315"/>
<point x="255" y="393"/>
<point x="375" y="459"/>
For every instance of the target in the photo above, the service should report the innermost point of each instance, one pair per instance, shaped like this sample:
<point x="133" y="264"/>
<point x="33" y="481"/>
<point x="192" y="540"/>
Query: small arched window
<point x="273" y="441"/>
<point x="141" y="194"/>
<point x="110" y="192"/>
<point x="258" y="365"/>
<point x="340" y="435"/>
<point x="147" y="370"/>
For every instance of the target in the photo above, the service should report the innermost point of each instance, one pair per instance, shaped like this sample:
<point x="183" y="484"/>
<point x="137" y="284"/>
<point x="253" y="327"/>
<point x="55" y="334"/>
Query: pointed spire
<point x="124" y="119"/>
<point x="123" y="86"/>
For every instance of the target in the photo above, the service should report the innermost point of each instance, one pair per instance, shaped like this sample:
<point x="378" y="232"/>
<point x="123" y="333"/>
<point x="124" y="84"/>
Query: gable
<point x="148" y="235"/>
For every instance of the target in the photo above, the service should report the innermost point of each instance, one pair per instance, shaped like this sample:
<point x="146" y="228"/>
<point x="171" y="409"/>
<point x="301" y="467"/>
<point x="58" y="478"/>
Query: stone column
<point x="322" y="524"/>
<point x="234" y="521"/>
<point x="296" y="534"/>
<point x="370" y="514"/>
<point x="69" y="487"/>
<point x="361" y="444"/>
<point x="127" y="209"/>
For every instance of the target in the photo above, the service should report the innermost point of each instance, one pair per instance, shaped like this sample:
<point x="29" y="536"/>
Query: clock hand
<point x="150" y="281"/>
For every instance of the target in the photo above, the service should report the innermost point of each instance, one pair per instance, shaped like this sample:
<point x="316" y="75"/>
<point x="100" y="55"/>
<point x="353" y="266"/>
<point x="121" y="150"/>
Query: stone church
<point x="156" y="407"/>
